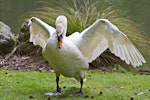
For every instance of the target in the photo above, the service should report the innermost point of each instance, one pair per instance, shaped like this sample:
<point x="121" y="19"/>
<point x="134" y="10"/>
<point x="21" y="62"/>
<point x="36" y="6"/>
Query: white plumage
<point x="70" y="55"/>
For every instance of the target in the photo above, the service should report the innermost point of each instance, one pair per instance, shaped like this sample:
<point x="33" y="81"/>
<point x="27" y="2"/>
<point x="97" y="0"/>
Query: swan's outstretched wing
<point x="102" y="35"/>
<point x="39" y="31"/>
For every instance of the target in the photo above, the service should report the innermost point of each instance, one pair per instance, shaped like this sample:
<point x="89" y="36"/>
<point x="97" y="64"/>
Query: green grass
<point x="15" y="85"/>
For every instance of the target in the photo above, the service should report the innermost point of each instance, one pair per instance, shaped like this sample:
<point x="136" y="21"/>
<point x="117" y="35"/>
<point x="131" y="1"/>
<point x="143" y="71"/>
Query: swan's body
<point x="70" y="55"/>
<point x="69" y="60"/>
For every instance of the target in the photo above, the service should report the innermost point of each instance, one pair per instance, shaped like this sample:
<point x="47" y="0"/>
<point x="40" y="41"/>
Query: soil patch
<point x="25" y="63"/>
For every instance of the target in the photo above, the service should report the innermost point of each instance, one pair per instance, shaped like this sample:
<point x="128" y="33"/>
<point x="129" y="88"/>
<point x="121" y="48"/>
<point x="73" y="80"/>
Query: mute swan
<point x="70" y="55"/>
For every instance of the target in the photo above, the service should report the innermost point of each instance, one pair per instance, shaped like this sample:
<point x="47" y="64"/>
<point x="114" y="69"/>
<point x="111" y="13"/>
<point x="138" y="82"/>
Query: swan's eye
<point x="103" y="21"/>
<point x="32" y="19"/>
<point x="59" y="36"/>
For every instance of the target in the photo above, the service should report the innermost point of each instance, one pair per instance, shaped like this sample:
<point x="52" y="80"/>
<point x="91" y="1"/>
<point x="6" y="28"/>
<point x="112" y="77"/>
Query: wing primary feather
<point x="122" y="52"/>
<point x="122" y="56"/>
<point x="127" y="57"/>
<point x="137" y="63"/>
<point x="115" y="49"/>
<point x="119" y="51"/>
<point x="132" y="57"/>
<point x="139" y="57"/>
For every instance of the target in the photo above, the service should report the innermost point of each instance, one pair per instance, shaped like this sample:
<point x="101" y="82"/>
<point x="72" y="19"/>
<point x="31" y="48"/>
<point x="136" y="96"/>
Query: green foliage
<point x="82" y="13"/>
<point x="15" y="85"/>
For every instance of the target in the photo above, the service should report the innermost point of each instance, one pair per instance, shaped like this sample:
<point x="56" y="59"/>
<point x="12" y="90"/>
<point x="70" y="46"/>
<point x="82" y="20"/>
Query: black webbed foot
<point x="79" y="94"/>
<point x="55" y="93"/>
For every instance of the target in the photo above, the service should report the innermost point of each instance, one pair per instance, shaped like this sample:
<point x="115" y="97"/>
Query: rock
<point x="5" y="31"/>
<point x="6" y="39"/>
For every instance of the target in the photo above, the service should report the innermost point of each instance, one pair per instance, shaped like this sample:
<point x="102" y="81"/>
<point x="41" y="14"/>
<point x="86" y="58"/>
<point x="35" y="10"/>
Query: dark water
<point x="12" y="10"/>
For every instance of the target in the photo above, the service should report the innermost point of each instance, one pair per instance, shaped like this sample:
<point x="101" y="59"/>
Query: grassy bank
<point x="32" y="85"/>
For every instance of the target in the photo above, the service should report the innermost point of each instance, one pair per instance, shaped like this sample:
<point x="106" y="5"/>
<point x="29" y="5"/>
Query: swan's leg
<point x="57" y="87"/>
<point x="57" y="92"/>
<point x="81" y="83"/>
<point x="80" y="92"/>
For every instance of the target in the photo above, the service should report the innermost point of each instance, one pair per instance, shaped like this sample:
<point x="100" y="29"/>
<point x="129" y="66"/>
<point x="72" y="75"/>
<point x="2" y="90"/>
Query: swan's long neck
<point x="61" y="29"/>
<point x="61" y="25"/>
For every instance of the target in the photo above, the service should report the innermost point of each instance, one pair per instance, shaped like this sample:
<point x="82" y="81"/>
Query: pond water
<point x="12" y="10"/>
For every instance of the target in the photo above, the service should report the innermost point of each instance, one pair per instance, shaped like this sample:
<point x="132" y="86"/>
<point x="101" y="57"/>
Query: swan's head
<point x="61" y="28"/>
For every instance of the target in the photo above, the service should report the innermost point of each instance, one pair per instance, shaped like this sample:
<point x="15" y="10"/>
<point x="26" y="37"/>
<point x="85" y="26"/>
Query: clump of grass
<point x="82" y="13"/>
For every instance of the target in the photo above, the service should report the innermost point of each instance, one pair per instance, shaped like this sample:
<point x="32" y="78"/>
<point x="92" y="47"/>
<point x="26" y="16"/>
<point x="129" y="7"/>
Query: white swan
<point x="70" y="55"/>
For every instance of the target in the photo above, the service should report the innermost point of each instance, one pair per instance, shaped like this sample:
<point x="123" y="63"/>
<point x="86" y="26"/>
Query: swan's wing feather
<point x="92" y="42"/>
<point x="75" y="38"/>
<point x="102" y="35"/>
<point x="122" y="47"/>
<point x="39" y="31"/>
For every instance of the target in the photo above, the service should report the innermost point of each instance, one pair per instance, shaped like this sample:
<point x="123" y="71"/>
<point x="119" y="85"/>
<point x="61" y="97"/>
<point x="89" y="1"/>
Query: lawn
<point x="16" y="85"/>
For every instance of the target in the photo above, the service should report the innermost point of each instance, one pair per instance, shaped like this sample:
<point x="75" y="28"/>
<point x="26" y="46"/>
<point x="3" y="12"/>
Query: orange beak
<point x="60" y="41"/>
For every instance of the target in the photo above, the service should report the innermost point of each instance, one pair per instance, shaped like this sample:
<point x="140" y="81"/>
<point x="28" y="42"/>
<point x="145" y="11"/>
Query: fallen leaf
<point x="141" y="93"/>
